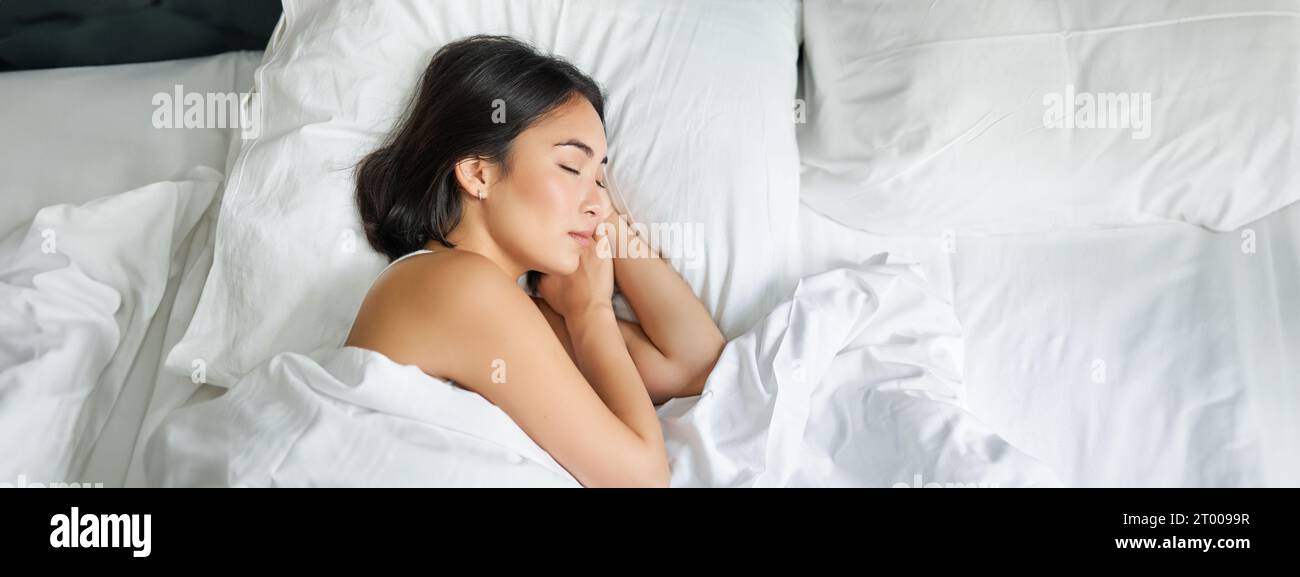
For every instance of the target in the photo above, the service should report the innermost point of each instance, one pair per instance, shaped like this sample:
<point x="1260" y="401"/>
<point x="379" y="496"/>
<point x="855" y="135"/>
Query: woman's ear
<point x="474" y="174"/>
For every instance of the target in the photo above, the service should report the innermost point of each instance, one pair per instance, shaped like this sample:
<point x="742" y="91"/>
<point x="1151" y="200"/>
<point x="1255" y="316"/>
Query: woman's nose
<point x="597" y="205"/>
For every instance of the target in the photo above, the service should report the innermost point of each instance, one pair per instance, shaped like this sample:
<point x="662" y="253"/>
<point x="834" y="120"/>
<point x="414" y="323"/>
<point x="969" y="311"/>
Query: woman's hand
<point x="615" y="224"/>
<point x="676" y="344"/>
<point x="590" y="286"/>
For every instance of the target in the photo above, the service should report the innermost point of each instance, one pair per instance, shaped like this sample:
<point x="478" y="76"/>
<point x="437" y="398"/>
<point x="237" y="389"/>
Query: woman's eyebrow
<point x="580" y="145"/>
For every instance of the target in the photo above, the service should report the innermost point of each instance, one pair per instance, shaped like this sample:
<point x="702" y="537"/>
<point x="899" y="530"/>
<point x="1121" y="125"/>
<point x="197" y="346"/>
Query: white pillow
<point x="699" y="99"/>
<point x="109" y="139"/>
<point x="78" y="290"/>
<point x="930" y="119"/>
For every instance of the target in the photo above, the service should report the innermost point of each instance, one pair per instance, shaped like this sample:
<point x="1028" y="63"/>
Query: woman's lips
<point x="583" y="238"/>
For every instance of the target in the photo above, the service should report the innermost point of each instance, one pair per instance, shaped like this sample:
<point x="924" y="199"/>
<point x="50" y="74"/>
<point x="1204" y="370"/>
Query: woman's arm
<point x="661" y="376"/>
<point x="598" y="423"/>
<point x="676" y="344"/>
<point x="606" y="363"/>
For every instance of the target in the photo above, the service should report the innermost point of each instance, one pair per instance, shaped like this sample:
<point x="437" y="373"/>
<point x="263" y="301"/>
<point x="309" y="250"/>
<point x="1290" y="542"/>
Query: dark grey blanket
<point x="58" y="33"/>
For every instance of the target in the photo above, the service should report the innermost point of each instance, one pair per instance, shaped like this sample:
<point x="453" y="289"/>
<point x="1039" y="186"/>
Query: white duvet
<point x="854" y="381"/>
<point x="78" y="289"/>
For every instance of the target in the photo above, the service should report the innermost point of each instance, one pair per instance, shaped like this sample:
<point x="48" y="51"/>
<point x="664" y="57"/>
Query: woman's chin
<point x="563" y="266"/>
<point x="570" y="266"/>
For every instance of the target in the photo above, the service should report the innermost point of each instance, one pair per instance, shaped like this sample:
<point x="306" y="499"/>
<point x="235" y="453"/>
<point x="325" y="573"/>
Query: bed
<point x="1154" y="354"/>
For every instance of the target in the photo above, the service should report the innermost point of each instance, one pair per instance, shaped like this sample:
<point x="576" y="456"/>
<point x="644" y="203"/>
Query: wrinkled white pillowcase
<point x="699" y="99"/>
<point x="924" y="119"/>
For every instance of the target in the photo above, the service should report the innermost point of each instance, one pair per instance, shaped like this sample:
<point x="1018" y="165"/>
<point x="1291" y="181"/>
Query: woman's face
<point x="545" y="211"/>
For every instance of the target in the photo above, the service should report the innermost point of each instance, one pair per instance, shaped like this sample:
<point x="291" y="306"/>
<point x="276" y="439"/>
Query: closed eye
<point x="576" y="172"/>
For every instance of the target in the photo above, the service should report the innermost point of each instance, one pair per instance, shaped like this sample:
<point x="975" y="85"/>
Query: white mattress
<point x="1151" y="356"/>
<point x="74" y="149"/>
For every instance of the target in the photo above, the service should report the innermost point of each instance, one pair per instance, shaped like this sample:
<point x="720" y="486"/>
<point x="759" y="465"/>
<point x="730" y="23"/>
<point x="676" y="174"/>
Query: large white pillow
<point x="699" y="123"/>
<point x="926" y="118"/>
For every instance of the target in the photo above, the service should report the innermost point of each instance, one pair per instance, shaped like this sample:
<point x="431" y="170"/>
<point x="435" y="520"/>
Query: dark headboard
<point x="57" y="33"/>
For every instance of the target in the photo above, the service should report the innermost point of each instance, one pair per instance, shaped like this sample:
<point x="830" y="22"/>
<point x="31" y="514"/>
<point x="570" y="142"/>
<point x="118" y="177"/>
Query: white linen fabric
<point x="78" y="290"/>
<point x="1154" y="356"/>
<point x="1017" y="116"/>
<point x="855" y="381"/>
<point x="77" y="134"/>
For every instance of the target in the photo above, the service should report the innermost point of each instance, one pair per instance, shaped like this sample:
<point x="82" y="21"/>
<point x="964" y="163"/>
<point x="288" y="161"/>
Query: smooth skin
<point x="578" y="381"/>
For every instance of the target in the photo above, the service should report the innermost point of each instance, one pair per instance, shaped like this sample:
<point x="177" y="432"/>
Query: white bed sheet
<point x="1151" y="356"/>
<point x="88" y="133"/>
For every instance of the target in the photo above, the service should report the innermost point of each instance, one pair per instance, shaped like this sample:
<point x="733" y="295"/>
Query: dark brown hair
<point x="407" y="191"/>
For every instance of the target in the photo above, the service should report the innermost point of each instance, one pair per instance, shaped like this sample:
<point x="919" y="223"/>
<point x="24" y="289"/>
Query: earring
<point x="481" y="195"/>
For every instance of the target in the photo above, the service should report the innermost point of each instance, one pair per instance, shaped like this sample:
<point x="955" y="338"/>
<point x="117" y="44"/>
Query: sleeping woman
<point x="497" y="170"/>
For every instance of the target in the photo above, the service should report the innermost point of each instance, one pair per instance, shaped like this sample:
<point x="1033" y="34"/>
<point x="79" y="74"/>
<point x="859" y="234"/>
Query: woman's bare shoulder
<point x="451" y="270"/>
<point x="429" y="303"/>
